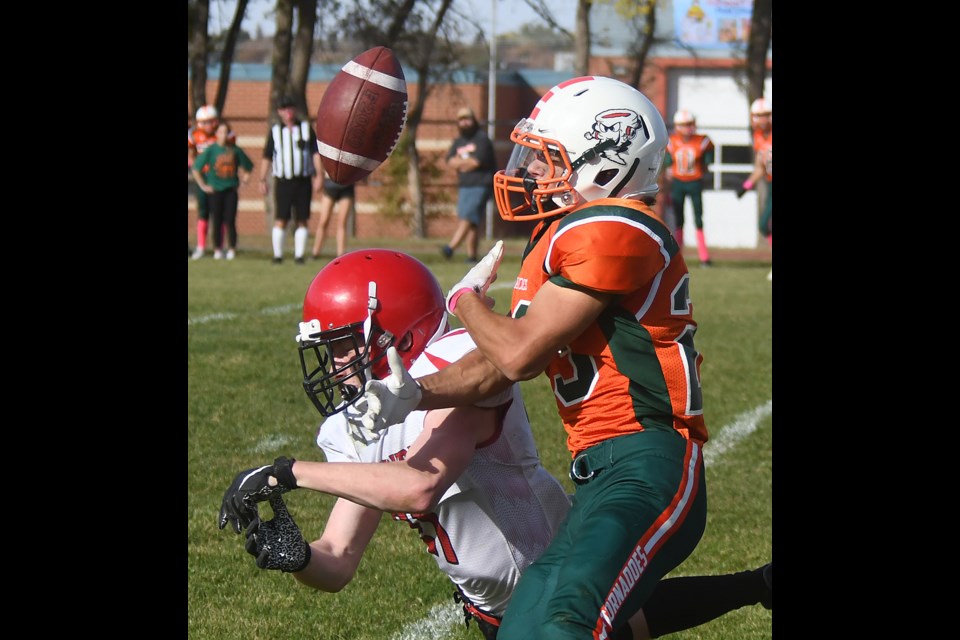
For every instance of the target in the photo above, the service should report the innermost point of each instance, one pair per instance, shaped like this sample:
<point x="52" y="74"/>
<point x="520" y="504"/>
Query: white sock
<point x="300" y="241"/>
<point x="278" y="234"/>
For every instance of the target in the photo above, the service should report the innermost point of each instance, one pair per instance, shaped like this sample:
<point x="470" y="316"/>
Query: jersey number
<point x="438" y="537"/>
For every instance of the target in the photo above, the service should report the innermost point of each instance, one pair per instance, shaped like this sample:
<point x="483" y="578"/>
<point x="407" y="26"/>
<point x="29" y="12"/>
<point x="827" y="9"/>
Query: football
<point x="361" y="115"/>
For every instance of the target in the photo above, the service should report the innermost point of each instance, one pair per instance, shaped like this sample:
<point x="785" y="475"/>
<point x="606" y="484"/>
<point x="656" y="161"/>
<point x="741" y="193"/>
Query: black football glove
<point x="252" y="486"/>
<point x="740" y="192"/>
<point x="277" y="543"/>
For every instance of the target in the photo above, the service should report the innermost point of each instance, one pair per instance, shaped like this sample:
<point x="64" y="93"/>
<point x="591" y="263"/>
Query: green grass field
<point x="246" y="406"/>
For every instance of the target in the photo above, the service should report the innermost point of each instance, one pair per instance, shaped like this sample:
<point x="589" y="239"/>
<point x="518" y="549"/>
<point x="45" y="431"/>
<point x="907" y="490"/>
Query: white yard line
<point x="269" y="311"/>
<point x="730" y="435"/>
<point x="437" y="624"/>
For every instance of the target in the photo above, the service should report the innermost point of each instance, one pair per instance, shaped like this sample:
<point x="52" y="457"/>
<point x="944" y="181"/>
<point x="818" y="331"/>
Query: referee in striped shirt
<point x="291" y="153"/>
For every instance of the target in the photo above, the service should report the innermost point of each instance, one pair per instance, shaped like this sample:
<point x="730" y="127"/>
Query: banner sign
<point x="712" y="24"/>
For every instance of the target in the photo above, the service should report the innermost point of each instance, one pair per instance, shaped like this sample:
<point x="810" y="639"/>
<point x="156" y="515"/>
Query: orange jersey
<point x="689" y="158"/>
<point x="635" y="367"/>
<point x="763" y="146"/>
<point x="198" y="140"/>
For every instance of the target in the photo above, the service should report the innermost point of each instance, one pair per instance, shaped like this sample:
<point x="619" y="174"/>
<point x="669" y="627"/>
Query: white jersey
<point x="500" y="514"/>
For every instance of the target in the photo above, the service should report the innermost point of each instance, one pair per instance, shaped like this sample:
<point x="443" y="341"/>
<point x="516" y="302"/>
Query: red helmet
<point x="366" y="301"/>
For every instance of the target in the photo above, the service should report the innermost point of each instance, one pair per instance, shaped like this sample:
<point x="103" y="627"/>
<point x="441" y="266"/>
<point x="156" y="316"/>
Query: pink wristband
<point x="747" y="184"/>
<point x="453" y="299"/>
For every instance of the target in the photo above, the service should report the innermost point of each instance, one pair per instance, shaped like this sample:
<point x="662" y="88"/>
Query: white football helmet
<point x="207" y="112"/>
<point x="684" y="117"/>
<point x="761" y="106"/>
<point x="587" y="138"/>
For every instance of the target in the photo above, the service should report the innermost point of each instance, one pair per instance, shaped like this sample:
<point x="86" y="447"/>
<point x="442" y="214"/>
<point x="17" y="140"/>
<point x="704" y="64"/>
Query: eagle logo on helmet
<point x="619" y="125"/>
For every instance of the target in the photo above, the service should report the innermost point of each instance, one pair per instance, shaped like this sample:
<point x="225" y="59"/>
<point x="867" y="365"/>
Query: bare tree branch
<point x="198" y="16"/>
<point x="226" y="56"/>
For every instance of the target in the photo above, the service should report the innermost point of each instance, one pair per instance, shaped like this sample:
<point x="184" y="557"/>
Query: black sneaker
<point x="706" y="263"/>
<point x="277" y="260"/>
<point x="767" y="572"/>
<point x="299" y="260"/>
<point x="446" y="251"/>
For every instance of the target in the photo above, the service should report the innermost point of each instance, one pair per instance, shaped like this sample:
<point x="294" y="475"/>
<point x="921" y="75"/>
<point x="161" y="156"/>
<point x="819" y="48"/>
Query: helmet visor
<point x="538" y="171"/>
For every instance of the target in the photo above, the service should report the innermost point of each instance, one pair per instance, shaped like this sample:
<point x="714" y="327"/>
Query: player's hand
<point x="388" y="401"/>
<point x="277" y="543"/>
<point x="746" y="186"/>
<point x="354" y="416"/>
<point x="478" y="279"/>
<point x="252" y="486"/>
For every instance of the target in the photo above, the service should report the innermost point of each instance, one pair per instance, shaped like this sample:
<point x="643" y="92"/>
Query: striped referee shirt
<point x="291" y="150"/>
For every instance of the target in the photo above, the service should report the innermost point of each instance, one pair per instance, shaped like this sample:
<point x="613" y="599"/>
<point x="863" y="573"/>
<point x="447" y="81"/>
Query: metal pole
<point x="492" y="102"/>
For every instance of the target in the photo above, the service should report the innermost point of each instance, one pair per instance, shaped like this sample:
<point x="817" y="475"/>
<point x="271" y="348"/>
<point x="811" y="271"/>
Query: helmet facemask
<point x="539" y="180"/>
<point x="332" y="381"/>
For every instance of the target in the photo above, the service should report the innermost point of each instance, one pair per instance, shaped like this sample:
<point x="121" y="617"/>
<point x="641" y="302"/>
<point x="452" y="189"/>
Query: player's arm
<point x="757" y="173"/>
<point x="334" y="558"/>
<point x="265" y="165"/>
<point x="709" y="153"/>
<point x="197" y="171"/>
<point x="468" y="380"/>
<point x="521" y="348"/>
<point x="434" y="461"/>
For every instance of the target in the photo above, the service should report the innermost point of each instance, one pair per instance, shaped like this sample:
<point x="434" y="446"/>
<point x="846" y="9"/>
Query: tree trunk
<point x="641" y="48"/>
<point x="415" y="189"/>
<point x="414" y="115"/>
<point x="302" y="51"/>
<point x="581" y="65"/>
<point x="399" y="20"/>
<point x="226" y="56"/>
<point x="761" y="31"/>
<point x="198" y="15"/>
<point x="280" y="82"/>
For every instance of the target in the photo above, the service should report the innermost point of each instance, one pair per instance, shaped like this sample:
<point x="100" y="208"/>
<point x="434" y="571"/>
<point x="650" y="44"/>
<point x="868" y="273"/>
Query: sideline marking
<point x="269" y="311"/>
<point x="284" y="308"/>
<point x="437" y="624"/>
<point x="210" y="318"/>
<point x="272" y="443"/>
<point x="731" y="435"/>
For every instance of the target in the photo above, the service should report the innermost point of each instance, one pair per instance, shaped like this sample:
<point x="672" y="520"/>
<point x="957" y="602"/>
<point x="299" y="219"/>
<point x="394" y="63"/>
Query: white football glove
<point x="354" y="417"/>
<point x="478" y="279"/>
<point x="387" y="401"/>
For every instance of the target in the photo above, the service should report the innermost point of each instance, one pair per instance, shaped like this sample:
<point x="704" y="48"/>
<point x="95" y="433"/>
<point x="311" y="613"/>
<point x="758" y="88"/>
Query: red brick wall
<point x="247" y="110"/>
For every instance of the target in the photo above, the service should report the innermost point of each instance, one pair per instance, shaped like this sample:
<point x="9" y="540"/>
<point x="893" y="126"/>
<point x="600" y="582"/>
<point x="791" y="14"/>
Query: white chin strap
<point x="371" y="307"/>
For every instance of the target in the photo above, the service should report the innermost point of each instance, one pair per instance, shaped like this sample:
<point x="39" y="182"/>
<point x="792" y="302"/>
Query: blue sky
<point x="511" y="14"/>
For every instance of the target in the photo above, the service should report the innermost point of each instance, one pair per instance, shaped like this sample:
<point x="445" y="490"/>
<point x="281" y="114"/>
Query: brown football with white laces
<point x="361" y="115"/>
